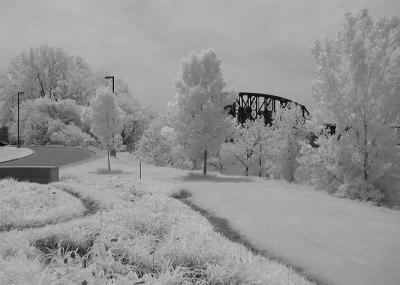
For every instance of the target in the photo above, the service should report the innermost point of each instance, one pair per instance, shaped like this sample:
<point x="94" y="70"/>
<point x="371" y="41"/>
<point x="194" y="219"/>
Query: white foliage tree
<point x="261" y="135"/>
<point x="136" y="120"/>
<point x="159" y="146"/>
<point x="318" y="161"/>
<point x="153" y="147"/>
<point x="105" y="117"/>
<point x="358" y="87"/>
<point x="248" y="146"/>
<point x="198" y="113"/>
<point x="41" y="117"/>
<point x="288" y="130"/>
<point x="70" y="135"/>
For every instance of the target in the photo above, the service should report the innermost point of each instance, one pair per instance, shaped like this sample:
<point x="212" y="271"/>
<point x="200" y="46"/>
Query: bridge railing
<point x="254" y="105"/>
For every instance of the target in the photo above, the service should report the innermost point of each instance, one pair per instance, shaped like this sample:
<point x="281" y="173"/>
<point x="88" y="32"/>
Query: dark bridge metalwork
<point x="254" y="105"/>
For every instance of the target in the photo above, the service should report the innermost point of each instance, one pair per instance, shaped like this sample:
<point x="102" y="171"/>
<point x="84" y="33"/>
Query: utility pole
<point x="19" y="93"/>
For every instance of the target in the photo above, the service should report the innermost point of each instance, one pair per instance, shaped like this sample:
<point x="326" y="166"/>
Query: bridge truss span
<point x="250" y="106"/>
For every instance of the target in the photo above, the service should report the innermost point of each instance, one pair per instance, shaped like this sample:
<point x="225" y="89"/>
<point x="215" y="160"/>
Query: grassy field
<point x="341" y="241"/>
<point x="135" y="234"/>
<point x="338" y="240"/>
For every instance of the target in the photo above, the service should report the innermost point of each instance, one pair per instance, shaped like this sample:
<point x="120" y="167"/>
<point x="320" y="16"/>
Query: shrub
<point x="360" y="189"/>
<point x="159" y="146"/>
<point x="44" y="121"/>
<point x="69" y="135"/>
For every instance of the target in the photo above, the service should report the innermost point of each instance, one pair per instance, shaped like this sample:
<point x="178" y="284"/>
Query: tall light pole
<point x="111" y="77"/>
<point x="113" y="152"/>
<point x="19" y="93"/>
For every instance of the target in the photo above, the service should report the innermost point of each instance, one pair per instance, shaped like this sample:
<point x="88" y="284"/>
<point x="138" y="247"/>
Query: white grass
<point x="137" y="236"/>
<point x="9" y="153"/>
<point x="338" y="240"/>
<point x="25" y="204"/>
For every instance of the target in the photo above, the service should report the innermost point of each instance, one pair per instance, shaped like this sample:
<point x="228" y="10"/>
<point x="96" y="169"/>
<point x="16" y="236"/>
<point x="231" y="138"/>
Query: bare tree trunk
<point x="365" y="152"/>
<point x="291" y="178"/>
<point x="108" y="156"/>
<point x="205" y="162"/>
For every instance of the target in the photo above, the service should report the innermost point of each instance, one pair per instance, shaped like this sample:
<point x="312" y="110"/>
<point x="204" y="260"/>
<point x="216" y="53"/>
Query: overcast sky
<point x="264" y="45"/>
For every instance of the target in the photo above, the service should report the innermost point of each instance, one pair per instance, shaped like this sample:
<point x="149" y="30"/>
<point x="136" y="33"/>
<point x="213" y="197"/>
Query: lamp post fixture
<point x="113" y="151"/>
<point x="111" y="77"/>
<point x="19" y="93"/>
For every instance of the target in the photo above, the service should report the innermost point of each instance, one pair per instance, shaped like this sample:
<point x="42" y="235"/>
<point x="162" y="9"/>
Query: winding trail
<point x="91" y="206"/>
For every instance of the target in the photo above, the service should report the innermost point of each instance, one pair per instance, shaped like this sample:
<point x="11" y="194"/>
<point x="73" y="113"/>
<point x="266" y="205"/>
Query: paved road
<point x="51" y="156"/>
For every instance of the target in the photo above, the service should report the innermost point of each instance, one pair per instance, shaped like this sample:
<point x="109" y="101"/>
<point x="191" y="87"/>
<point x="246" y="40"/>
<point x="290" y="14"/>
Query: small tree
<point x="261" y="135"/>
<point x="136" y="120"/>
<point x="105" y="117"/>
<point x="248" y="145"/>
<point x="288" y="131"/>
<point x="319" y="161"/>
<point x="159" y="146"/>
<point x="153" y="146"/>
<point x="198" y="113"/>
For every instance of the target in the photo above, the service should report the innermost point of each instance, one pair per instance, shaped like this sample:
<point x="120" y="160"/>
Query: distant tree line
<point x="57" y="87"/>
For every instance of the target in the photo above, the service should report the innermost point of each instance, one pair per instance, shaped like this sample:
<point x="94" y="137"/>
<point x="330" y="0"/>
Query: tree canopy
<point x="357" y="88"/>
<point x="198" y="113"/>
<point x="58" y="85"/>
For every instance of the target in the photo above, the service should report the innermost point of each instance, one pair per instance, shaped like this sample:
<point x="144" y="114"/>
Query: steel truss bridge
<point x="254" y="105"/>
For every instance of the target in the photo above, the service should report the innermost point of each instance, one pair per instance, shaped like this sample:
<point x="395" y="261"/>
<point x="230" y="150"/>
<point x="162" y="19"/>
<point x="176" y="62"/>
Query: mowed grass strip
<point x="137" y="237"/>
<point x="24" y="204"/>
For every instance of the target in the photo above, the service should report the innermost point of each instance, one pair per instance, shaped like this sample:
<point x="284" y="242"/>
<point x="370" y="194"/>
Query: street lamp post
<point x="19" y="93"/>
<point x="113" y="151"/>
<point x="111" y="77"/>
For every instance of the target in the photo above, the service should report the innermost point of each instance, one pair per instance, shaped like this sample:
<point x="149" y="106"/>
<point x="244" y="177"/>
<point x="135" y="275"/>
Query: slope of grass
<point x="338" y="240"/>
<point x="30" y="205"/>
<point x="136" y="237"/>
